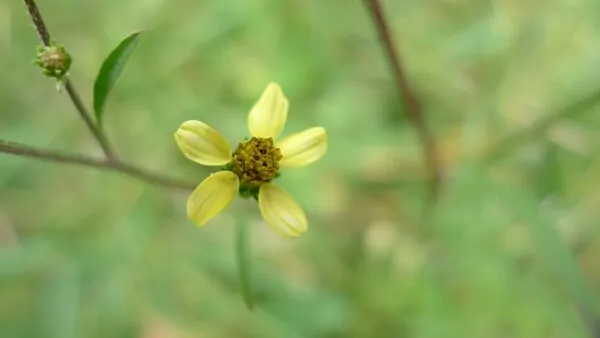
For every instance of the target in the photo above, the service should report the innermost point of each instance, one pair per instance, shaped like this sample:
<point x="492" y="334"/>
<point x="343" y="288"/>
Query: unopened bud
<point x="54" y="61"/>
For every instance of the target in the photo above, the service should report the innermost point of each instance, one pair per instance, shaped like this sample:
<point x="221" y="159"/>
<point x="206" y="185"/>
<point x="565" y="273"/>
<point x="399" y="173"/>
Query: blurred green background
<point x="510" y="250"/>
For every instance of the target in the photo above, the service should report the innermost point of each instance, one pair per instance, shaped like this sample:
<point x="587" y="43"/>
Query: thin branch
<point x="413" y="108"/>
<point x="512" y="141"/>
<point x="98" y="134"/>
<point x="44" y="35"/>
<point x="38" y="22"/>
<point x="23" y="150"/>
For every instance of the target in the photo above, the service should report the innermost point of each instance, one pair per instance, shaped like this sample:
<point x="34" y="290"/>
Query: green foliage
<point x="510" y="250"/>
<point x="111" y="70"/>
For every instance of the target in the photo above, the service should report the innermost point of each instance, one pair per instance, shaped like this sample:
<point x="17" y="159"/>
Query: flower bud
<point x="54" y="61"/>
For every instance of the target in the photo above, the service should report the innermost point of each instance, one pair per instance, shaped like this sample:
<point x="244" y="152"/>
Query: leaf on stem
<point x="110" y="71"/>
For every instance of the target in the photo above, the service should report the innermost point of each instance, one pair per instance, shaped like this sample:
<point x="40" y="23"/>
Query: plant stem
<point x="242" y="253"/>
<point x="38" y="22"/>
<point x="98" y="134"/>
<point x="541" y="126"/>
<point x="44" y="35"/>
<point x="23" y="150"/>
<point x="413" y="107"/>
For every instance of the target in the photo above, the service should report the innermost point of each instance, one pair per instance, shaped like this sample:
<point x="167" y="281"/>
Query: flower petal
<point x="281" y="212"/>
<point x="213" y="195"/>
<point x="202" y="144"/>
<point x="267" y="117"/>
<point x="303" y="148"/>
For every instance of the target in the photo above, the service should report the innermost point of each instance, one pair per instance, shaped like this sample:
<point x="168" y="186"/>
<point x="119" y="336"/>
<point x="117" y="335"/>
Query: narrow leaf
<point x="560" y="258"/>
<point x="243" y="263"/>
<point x="110" y="71"/>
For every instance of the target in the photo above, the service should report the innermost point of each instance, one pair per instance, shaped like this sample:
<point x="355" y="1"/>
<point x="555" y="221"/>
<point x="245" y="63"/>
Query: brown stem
<point x="44" y="35"/>
<point x="413" y="108"/>
<point x="23" y="150"/>
<point x="38" y="22"/>
<point x="98" y="134"/>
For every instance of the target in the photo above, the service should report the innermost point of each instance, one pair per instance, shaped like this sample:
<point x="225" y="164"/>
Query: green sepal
<point x="247" y="192"/>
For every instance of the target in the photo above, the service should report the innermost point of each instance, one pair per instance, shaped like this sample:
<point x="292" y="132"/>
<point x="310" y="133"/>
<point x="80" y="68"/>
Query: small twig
<point x="38" y="22"/>
<point x="512" y="141"/>
<point x="44" y="35"/>
<point x="23" y="150"/>
<point x="98" y="134"/>
<point x="111" y="162"/>
<point x="413" y="107"/>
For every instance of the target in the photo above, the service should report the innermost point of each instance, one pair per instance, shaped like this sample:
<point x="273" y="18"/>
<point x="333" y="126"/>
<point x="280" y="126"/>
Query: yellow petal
<point x="303" y="148"/>
<point x="202" y="144"/>
<point x="281" y="212"/>
<point x="213" y="195"/>
<point x="267" y="117"/>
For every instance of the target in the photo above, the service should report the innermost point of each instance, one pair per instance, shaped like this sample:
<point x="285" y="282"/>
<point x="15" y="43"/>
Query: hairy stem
<point x="38" y="22"/>
<point x="413" y="107"/>
<point x="44" y="35"/>
<point x="23" y="150"/>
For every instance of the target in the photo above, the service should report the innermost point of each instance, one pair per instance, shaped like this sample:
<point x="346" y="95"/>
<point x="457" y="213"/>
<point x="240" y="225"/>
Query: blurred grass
<point x="93" y="254"/>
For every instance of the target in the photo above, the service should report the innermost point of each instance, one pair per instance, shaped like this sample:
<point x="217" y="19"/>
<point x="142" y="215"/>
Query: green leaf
<point x="243" y="262"/>
<point x="110" y="71"/>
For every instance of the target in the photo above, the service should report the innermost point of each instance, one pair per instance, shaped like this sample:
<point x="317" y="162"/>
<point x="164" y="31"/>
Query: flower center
<point x="256" y="161"/>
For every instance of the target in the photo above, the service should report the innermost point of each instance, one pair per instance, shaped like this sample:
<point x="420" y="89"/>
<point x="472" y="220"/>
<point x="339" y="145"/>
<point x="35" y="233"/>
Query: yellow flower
<point x="251" y="168"/>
